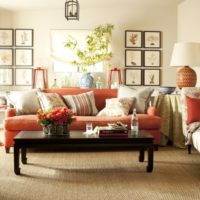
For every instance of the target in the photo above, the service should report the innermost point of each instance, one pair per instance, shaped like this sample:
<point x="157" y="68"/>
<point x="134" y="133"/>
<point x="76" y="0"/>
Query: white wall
<point x="188" y="25"/>
<point x="124" y="18"/>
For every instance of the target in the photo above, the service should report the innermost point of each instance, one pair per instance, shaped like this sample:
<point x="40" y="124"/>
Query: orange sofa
<point x="14" y="124"/>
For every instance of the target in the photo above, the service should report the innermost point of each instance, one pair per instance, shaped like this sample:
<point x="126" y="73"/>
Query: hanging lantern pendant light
<point x="72" y="10"/>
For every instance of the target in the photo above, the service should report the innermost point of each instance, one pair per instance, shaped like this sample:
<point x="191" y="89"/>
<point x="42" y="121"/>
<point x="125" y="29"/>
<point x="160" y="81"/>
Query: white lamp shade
<point x="186" y="54"/>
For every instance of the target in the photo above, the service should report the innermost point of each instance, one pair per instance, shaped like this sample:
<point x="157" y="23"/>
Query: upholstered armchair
<point x="190" y="105"/>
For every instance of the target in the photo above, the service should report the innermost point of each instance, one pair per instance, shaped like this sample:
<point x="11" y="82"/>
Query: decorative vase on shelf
<point x="86" y="80"/>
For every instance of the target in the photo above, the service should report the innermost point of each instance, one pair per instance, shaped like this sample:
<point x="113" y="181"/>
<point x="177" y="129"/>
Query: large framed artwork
<point x="6" y="56"/>
<point x="152" y="77"/>
<point x="23" y="37"/>
<point x="23" y="76"/>
<point x="23" y="57"/>
<point x="6" y="76"/>
<point x="133" y="77"/>
<point x="152" y="39"/>
<point x="152" y="58"/>
<point x="133" y="58"/>
<point x="133" y="39"/>
<point x="6" y="37"/>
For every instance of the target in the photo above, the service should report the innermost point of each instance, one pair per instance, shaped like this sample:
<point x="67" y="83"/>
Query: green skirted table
<point x="169" y="109"/>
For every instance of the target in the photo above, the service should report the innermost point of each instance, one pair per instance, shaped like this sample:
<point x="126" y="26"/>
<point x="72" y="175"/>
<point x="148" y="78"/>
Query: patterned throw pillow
<point x="117" y="107"/>
<point x="50" y="100"/>
<point x="142" y="97"/>
<point x="25" y="102"/>
<point x="82" y="104"/>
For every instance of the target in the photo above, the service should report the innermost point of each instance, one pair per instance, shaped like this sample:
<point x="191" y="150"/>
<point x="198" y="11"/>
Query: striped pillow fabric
<point x="82" y="104"/>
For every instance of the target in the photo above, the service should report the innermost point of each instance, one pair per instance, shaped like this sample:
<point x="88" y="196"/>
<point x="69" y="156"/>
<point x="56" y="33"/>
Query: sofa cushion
<point x="50" y="100"/>
<point x="117" y="107"/>
<point x="21" y="102"/>
<point x="82" y="104"/>
<point x="193" y="109"/>
<point x="142" y="96"/>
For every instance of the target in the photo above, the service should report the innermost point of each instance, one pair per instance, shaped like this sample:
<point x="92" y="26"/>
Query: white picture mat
<point x="133" y="77"/>
<point x="23" y="76"/>
<point x="133" y="39"/>
<point x="24" y="57"/>
<point x="6" y="56"/>
<point x="6" y="37"/>
<point x="151" y="77"/>
<point x="24" y="37"/>
<point x="152" y="58"/>
<point x="133" y="58"/>
<point x="6" y="76"/>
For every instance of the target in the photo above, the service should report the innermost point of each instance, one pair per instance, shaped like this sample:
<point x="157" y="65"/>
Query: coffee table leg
<point x="150" y="159"/>
<point x="24" y="158"/>
<point x="141" y="155"/>
<point x="16" y="160"/>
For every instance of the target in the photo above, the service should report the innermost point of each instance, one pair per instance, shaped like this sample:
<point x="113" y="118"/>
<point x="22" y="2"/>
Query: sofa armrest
<point x="10" y="112"/>
<point x="152" y="111"/>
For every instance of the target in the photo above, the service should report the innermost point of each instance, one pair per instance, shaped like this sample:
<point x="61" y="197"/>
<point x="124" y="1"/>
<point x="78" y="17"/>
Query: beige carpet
<point x="101" y="175"/>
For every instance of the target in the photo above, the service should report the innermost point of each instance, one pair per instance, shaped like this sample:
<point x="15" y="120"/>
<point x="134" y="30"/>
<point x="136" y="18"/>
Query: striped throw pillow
<point x="82" y="104"/>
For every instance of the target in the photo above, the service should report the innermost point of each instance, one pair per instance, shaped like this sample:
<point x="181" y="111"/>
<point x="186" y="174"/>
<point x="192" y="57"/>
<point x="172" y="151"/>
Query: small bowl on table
<point x="166" y="89"/>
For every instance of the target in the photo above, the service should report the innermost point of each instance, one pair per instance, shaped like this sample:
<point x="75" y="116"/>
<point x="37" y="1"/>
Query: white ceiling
<point x="17" y="5"/>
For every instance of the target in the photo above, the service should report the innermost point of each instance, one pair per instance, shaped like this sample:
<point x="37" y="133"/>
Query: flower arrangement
<point x="56" y="116"/>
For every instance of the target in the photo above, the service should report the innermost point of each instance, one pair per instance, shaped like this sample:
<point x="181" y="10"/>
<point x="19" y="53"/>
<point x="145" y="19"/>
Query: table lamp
<point x="186" y="55"/>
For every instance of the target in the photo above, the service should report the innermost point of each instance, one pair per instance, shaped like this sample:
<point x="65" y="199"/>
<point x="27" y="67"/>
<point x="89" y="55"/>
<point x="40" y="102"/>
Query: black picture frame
<point x="6" y="37"/>
<point x="6" y="57"/>
<point x="133" y="77"/>
<point x="133" y="58"/>
<point x="152" y="39"/>
<point x="133" y="39"/>
<point x="23" y="57"/>
<point x="24" y="37"/>
<point x="151" y="77"/>
<point x="152" y="58"/>
<point x="6" y="76"/>
<point x="23" y="76"/>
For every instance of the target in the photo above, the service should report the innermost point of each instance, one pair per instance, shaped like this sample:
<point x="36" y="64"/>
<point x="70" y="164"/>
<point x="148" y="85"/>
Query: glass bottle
<point x="54" y="84"/>
<point x="134" y="123"/>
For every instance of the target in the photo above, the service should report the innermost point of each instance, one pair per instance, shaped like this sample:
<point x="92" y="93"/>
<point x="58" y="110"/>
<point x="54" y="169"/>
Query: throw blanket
<point x="190" y="130"/>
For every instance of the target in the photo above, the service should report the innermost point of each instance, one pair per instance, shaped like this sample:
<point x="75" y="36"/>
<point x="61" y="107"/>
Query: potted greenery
<point x="96" y="50"/>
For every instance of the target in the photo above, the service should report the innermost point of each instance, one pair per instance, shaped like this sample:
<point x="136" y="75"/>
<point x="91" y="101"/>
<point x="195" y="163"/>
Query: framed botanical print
<point x="23" y="76"/>
<point x="6" y="56"/>
<point x="152" y="39"/>
<point x="152" y="58"/>
<point x="23" y="57"/>
<point x="152" y="77"/>
<point x="133" y="58"/>
<point x="6" y="76"/>
<point x="6" y="37"/>
<point x="133" y="77"/>
<point x="23" y="37"/>
<point x="133" y="39"/>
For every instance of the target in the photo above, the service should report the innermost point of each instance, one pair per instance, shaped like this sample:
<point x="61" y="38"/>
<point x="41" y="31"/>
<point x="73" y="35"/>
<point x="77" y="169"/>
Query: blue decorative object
<point x="86" y="80"/>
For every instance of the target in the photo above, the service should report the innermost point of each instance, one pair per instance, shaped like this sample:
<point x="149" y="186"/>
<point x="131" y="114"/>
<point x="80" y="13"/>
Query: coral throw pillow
<point x="82" y="104"/>
<point x="117" y="107"/>
<point x="193" y="110"/>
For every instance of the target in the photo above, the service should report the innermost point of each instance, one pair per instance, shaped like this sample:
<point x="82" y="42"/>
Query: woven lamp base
<point x="186" y="77"/>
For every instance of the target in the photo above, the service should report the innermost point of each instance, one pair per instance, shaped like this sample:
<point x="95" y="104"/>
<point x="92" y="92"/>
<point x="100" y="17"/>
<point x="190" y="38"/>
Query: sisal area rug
<point x="101" y="176"/>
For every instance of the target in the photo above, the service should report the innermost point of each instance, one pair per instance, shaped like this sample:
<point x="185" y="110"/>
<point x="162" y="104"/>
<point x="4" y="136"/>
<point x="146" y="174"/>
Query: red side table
<point x="114" y="70"/>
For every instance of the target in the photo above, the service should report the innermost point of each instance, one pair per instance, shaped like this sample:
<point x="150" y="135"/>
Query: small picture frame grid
<point x="143" y="56"/>
<point x="14" y="62"/>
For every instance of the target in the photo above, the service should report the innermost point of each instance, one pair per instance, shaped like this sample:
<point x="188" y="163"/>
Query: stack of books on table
<point x="106" y="131"/>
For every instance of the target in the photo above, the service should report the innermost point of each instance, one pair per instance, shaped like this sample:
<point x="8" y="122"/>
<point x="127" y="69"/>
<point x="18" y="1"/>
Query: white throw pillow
<point x="25" y="102"/>
<point x="117" y="107"/>
<point x="142" y="96"/>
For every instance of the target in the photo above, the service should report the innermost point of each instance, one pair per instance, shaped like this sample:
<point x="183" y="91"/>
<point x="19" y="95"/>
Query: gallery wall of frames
<point x="142" y="58"/>
<point x="16" y="56"/>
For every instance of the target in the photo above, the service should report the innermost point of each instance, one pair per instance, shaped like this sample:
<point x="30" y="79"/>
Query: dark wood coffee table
<point x="76" y="140"/>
